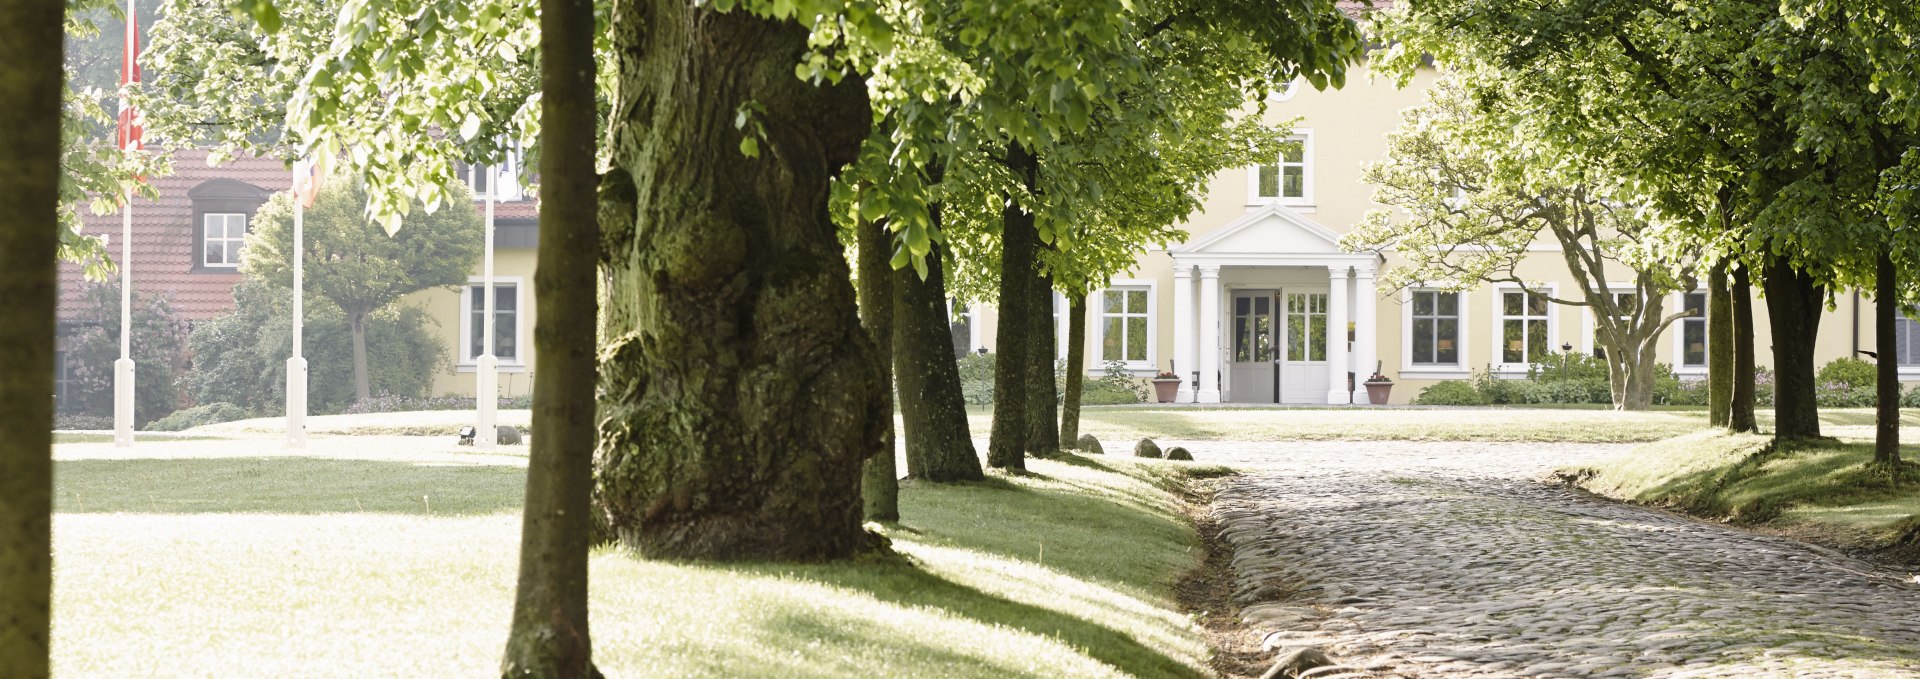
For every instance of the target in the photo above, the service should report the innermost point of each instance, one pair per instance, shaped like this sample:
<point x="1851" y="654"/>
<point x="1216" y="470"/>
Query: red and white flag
<point x="307" y="177"/>
<point x="129" y="132"/>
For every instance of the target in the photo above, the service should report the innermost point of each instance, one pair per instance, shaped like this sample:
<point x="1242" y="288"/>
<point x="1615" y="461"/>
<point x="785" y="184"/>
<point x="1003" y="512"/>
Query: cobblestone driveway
<point x="1430" y="559"/>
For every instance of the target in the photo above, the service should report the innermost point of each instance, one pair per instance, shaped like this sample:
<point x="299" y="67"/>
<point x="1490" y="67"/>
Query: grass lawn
<point x="396" y="557"/>
<point x="1822" y="493"/>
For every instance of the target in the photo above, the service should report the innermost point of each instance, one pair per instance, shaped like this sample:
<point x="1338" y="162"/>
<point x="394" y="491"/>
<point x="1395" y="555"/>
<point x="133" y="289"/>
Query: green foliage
<point x="1450" y="393"/>
<point x="1116" y="386"/>
<point x="1567" y="366"/>
<point x="158" y="341"/>
<point x="356" y="264"/>
<point x="242" y="356"/>
<point x="67" y="421"/>
<point x="1850" y="372"/>
<point x="96" y="175"/>
<point x="211" y="413"/>
<point x="1911" y="399"/>
<point x="976" y="378"/>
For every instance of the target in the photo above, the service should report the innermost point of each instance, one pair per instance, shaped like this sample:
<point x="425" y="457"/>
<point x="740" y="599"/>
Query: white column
<point x="1365" y="341"/>
<point x="486" y="375"/>
<point x="1184" y="337"/>
<point x="1337" y="335"/>
<point x="1209" y="334"/>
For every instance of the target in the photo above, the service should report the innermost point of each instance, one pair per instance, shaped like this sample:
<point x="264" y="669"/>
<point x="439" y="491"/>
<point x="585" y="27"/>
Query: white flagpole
<point x="487" y="375"/>
<point x="297" y="363"/>
<point x="123" y="369"/>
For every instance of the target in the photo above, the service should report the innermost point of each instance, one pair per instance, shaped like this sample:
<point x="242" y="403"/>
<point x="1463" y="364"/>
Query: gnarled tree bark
<point x="739" y="395"/>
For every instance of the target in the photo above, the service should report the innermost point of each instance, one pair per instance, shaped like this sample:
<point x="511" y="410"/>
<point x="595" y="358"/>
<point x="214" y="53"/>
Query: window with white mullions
<point x="1436" y="328"/>
<point x="506" y="319"/>
<point x="1253" y="329"/>
<point x="1123" y="325"/>
<point x="223" y="236"/>
<point x="1306" y="326"/>
<point x="1523" y="327"/>
<point x="1693" y="331"/>
<point x="1906" y="340"/>
<point x="1289" y="180"/>
<point x="1627" y="304"/>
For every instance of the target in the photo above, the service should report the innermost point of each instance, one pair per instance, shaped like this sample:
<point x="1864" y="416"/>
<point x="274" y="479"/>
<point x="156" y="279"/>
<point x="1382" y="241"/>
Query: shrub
<point x="1911" y="399"/>
<point x="211" y="413"/>
<point x="1849" y="372"/>
<point x="243" y="354"/>
<point x="1840" y="395"/>
<point x="93" y="344"/>
<point x="1571" y="366"/>
<point x="1762" y="386"/>
<point x="389" y="403"/>
<point x="1450" y="393"/>
<point x="1681" y="392"/>
<point x="976" y="378"/>
<point x="96" y="422"/>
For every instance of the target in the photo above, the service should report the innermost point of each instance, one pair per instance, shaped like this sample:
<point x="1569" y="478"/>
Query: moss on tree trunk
<point x="1794" y="304"/>
<point x="1076" y="371"/>
<point x="30" y="82"/>
<point x="880" y="482"/>
<point x="739" y="395"/>
<point x="1719" y="347"/>
<point x="933" y="411"/>
<point x="1006" y="445"/>
<point x="1740" y="414"/>
<point x="1043" y="397"/>
<point x="549" y="637"/>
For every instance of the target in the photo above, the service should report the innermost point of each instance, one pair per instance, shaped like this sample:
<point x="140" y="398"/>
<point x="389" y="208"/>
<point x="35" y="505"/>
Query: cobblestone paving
<point x="1430" y="559"/>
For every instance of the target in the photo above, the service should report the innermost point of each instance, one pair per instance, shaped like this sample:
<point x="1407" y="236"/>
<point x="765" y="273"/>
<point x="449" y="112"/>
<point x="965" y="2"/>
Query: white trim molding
<point x="1498" y="314"/>
<point x="1679" y="330"/>
<point x="1460" y="369"/>
<point x="463" y="360"/>
<point x="1097" y="317"/>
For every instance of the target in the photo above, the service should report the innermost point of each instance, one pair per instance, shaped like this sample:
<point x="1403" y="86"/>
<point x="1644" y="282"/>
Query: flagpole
<point x="487" y="375"/>
<point x="123" y="372"/>
<point x="297" y="363"/>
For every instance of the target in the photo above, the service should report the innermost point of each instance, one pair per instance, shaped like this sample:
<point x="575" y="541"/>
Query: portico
<point x="1261" y="311"/>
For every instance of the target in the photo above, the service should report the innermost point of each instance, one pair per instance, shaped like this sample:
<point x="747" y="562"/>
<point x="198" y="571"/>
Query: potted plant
<point x="1165" y="386"/>
<point x="1379" y="388"/>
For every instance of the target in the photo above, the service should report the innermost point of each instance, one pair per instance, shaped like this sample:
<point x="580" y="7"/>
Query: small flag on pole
<point x="308" y="175"/>
<point x="130" y="132"/>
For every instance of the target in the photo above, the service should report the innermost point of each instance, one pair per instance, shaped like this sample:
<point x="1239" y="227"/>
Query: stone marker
<point x="1179" y="453"/>
<point x="1090" y="446"/>
<point x="507" y="435"/>
<point x="1146" y="448"/>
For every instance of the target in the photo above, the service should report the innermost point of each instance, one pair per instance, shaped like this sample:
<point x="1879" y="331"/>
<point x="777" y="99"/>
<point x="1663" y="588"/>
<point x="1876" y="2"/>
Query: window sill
<point x="503" y="366"/>
<point x="1435" y="373"/>
<point x="1297" y="206"/>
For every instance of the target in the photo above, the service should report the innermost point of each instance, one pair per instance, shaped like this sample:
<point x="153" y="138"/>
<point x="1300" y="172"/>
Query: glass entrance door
<point x="1303" y="362"/>
<point x="1251" y="371"/>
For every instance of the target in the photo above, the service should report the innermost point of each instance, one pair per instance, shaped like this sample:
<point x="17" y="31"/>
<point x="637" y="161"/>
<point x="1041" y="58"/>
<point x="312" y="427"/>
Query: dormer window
<point x="223" y="235"/>
<point x="222" y="212"/>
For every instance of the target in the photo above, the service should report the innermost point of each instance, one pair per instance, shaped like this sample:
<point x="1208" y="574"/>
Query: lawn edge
<point x="1205" y="592"/>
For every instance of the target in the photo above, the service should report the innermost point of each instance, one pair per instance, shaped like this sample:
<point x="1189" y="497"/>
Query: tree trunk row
<point x="1886" y="297"/>
<point x="1794" y="303"/>
<point x="933" y="412"/>
<point x="1740" y="418"/>
<point x="1006" y="446"/>
<point x="880" y="482"/>
<point x="1043" y="423"/>
<point x="1076" y="371"/>
<point x="1719" y="347"/>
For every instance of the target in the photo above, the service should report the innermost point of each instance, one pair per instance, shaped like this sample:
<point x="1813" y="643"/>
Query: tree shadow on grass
<point x="285" y="485"/>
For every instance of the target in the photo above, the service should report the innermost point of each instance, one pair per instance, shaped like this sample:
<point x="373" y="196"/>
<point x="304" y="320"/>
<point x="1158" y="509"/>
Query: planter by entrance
<point x="1377" y="392"/>
<point x="1165" y="388"/>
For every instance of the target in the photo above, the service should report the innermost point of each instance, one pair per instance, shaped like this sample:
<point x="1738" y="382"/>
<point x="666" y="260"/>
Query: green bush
<point x="1912" y="398"/>
<point x="1852" y="372"/>
<point x="243" y="354"/>
<point x="1681" y="392"/>
<point x="211" y="413"/>
<point x="1571" y="366"/>
<point x="976" y="378"/>
<point x="92" y="344"/>
<point x="67" y="421"/>
<point x="1105" y="393"/>
<point x="1450" y="393"/>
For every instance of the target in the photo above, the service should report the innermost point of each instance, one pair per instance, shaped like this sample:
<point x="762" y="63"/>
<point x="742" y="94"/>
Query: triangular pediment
<point x="1269" y="229"/>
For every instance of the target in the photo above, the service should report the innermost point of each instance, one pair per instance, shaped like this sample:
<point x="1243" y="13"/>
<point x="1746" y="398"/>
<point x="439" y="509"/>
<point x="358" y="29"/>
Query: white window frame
<point x="1288" y="89"/>
<point x="1591" y="321"/>
<point x="1679" y="329"/>
<point x="509" y="178"/>
<point x="1061" y="314"/>
<point x="234" y="245"/>
<point x="520" y="316"/>
<point x="1499" y="315"/>
<point x="1097" y="319"/>
<point x="972" y="313"/>
<point x="1461" y="368"/>
<point x="1907" y="372"/>
<point x="1304" y="203"/>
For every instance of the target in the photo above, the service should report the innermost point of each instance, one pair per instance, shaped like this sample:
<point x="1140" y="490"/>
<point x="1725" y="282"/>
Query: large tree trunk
<point x="1719" y="347"/>
<point x="1740" y="414"/>
<point x="1076" y="371"/>
<point x="739" y="396"/>
<point x="549" y="635"/>
<point x="30" y="83"/>
<point x="1043" y="423"/>
<point x="933" y="412"/>
<point x="1886" y="298"/>
<point x="357" y="326"/>
<point x="1006" y="446"/>
<point x="1793" y="313"/>
<point x="880" y="482"/>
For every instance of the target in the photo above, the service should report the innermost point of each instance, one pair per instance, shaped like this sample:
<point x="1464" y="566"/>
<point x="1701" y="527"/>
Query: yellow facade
<point x="1256" y="248"/>
<point x="452" y="317"/>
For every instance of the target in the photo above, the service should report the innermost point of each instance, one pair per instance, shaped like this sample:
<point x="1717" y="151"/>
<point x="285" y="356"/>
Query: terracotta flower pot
<point x="1164" y="389"/>
<point x="1377" y="392"/>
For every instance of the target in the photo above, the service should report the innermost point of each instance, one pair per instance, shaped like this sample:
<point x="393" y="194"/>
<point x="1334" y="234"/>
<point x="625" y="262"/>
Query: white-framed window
<point x="964" y="324"/>
<point x="1690" y="351"/>
<point x="508" y="301"/>
<point x="1289" y="179"/>
<point x="1125" y="329"/>
<point x="1626" y="300"/>
<point x="1522" y="327"/>
<point x="1906" y="342"/>
<point x="223" y="237"/>
<point x="1288" y="89"/>
<point x="1306" y="326"/>
<point x="62" y="378"/>
<point x="1435" y="336"/>
<point x="505" y="173"/>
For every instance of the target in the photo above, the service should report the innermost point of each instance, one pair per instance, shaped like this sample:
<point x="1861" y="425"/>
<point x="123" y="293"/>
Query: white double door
<point x="1277" y="346"/>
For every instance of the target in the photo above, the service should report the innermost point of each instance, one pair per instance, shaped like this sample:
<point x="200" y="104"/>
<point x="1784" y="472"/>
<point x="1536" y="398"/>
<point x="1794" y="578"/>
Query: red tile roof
<point x="163" y="237"/>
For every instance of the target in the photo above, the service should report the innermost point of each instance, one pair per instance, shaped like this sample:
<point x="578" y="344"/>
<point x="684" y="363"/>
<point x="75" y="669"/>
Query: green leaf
<point x="749" y="147"/>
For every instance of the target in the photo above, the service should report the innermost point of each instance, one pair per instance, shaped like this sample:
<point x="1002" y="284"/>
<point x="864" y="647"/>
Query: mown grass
<point x="184" y="564"/>
<point x="1827" y="492"/>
